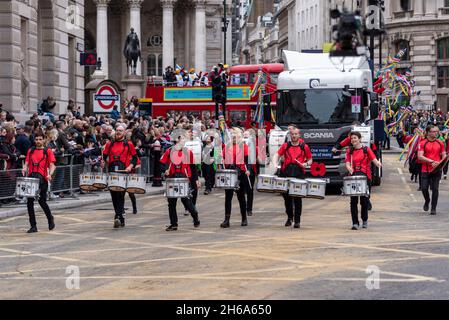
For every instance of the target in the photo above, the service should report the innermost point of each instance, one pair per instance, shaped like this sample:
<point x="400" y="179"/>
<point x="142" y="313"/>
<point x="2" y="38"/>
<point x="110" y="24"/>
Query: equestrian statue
<point x="132" y="51"/>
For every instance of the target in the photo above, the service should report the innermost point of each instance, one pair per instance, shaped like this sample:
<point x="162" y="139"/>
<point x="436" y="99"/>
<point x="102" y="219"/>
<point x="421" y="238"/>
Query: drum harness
<point x="116" y="158"/>
<point x="289" y="146"/>
<point x="35" y="174"/>
<point x="358" y="169"/>
<point x="424" y="149"/>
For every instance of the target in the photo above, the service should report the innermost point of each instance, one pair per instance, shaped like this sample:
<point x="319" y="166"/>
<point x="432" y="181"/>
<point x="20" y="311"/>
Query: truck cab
<point x="326" y="98"/>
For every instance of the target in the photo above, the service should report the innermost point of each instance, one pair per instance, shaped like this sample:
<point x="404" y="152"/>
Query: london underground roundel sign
<point x="105" y="99"/>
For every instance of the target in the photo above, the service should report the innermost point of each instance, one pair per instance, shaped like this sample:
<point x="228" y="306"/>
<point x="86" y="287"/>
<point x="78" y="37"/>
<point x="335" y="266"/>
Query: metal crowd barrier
<point x="65" y="179"/>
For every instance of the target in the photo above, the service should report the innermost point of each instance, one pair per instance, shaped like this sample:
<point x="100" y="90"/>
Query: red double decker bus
<point x="197" y="101"/>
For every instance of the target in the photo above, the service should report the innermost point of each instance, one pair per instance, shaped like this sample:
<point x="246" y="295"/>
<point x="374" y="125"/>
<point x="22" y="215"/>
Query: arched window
<point x="443" y="59"/>
<point x="443" y="49"/>
<point x="401" y="45"/>
<point x="151" y="65"/>
<point x="159" y="65"/>
<point x="405" y="5"/>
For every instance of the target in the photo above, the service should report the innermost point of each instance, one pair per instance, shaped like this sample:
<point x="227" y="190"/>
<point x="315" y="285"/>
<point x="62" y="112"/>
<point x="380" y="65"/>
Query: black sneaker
<point x="433" y="212"/>
<point x="297" y="226"/>
<point x="117" y="223"/>
<point x="51" y="225"/>
<point x="32" y="230"/>
<point x="365" y="225"/>
<point x="122" y="223"/>
<point x="288" y="223"/>
<point x="249" y="213"/>
<point x="135" y="212"/>
<point x="171" y="228"/>
<point x="355" y="227"/>
<point x="196" y="224"/>
<point x="244" y="223"/>
<point x="426" y="207"/>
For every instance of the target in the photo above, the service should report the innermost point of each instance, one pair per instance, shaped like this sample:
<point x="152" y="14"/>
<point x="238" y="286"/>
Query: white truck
<point x="326" y="98"/>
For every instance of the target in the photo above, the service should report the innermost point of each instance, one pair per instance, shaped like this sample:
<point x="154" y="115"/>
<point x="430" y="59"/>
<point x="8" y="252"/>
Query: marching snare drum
<point x="298" y="188"/>
<point x="100" y="181"/>
<point x="355" y="186"/>
<point x="265" y="183"/>
<point x="117" y="182"/>
<point x="177" y="188"/>
<point x="27" y="187"/>
<point x="226" y="179"/>
<point x="280" y="185"/>
<point x="136" y="184"/>
<point x="316" y="189"/>
<point x="87" y="181"/>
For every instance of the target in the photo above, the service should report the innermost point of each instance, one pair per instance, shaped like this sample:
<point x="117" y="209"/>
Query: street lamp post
<point x="225" y="28"/>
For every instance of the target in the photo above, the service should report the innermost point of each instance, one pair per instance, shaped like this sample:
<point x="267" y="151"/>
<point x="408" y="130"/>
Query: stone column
<point x="187" y="40"/>
<point x="167" y="33"/>
<point x="431" y="8"/>
<point x="418" y="8"/>
<point x="134" y="22"/>
<point x="388" y="14"/>
<point x="200" y="34"/>
<point x="102" y="34"/>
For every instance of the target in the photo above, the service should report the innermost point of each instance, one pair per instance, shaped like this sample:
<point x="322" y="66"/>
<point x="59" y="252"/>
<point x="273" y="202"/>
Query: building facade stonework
<point x="41" y="41"/>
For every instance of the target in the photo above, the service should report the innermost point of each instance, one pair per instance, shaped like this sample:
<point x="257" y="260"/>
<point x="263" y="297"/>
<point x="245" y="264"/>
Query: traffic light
<point x="88" y="59"/>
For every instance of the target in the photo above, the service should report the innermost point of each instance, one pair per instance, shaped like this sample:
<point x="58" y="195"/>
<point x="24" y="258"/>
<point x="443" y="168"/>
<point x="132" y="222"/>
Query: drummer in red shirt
<point x="40" y="164"/>
<point x="358" y="162"/>
<point x="346" y="143"/>
<point x="120" y="156"/>
<point x="235" y="154"/>
<point x="297" y="157"/>
<point x="181" y="164"/>
<point x="430" y="153"/>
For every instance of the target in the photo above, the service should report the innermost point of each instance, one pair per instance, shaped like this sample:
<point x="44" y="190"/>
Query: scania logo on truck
<point x="319" y="135"/>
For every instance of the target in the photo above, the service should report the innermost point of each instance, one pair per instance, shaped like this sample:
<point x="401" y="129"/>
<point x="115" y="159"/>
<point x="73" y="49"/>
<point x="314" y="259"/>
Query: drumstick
<point x="301" y="164"/>
<point x="249" y="181"/>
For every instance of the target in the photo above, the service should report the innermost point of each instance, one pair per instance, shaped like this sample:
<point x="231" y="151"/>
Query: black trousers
<point x="188" y="204"/>
<point x="293" y="206"/>
<point x="355" y="209"/>
<point x="118" y="201"/>
<point x="445" y="169"/>
<point x="132" y="196"/>
<point x="432" y="181"/>
<point x="194" y="194"/>
<point x="43" y="189"/>
<point x="250" y="193"/>
<point x="209" y="176"/>
<point x="229" y="194"/>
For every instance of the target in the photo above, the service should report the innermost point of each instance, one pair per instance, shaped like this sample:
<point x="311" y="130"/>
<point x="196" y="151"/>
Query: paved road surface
<point x="323" y="260"/>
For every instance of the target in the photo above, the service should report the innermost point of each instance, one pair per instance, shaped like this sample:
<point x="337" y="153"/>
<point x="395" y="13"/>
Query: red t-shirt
<point x="178" y="161"/>
<point x="119" y="152"/>
<point x="361" y="161"/>
<point x="235" y="155"/>
<point x="39" y="163"/>
<point x="294" y="154"/>
<point x="432" y="150"/>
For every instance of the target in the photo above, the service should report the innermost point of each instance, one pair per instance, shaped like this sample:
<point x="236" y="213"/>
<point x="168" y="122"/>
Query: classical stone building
<point x="423" y="28"/>
<point x="41" y="40"/>
<point x="38" y="57"/>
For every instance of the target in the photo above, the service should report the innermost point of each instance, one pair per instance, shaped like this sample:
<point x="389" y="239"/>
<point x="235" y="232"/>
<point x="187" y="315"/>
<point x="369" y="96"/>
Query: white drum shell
<point x="100" y="180"/>
<point x="86" y="181"/>
<point x="117" y="182"/>
<point x="177" y="188"/>
<point x="27" y="187"/>
<point x="316" y="189"/>
<point x="298" y="188"/>
<point x="226" y="179"/>
<point x="136" y="184"/>
<point x="280" y="185"/>
<point x="355" y="186"/>
<point x="265" y="183"/>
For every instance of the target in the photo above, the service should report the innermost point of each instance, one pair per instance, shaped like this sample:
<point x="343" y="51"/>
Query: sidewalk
<point x="7" y="211"/>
